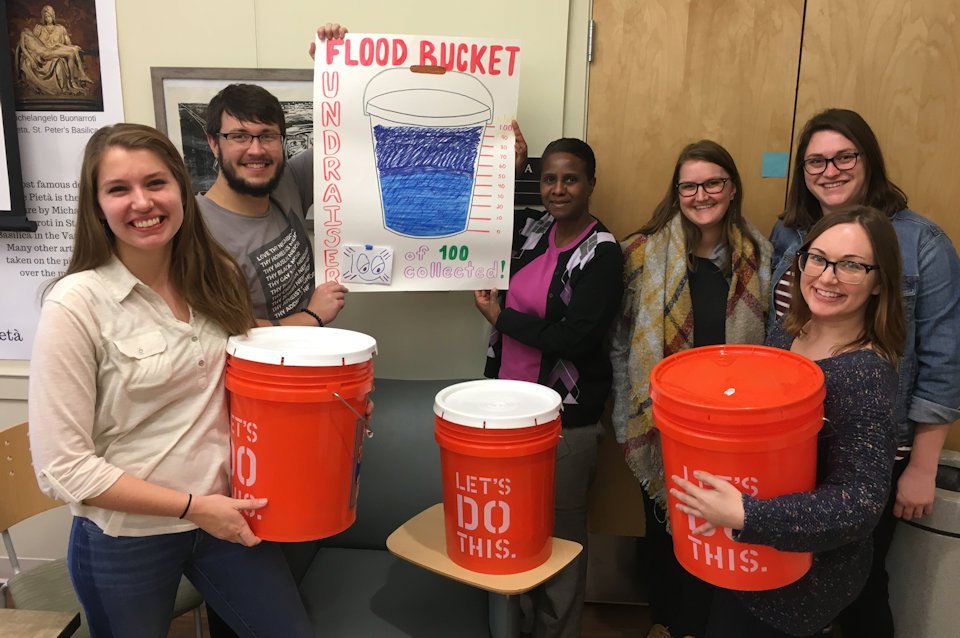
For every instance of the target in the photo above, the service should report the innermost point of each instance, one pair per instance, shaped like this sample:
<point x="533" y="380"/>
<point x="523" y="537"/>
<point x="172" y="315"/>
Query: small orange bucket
<point x="498" y="442"/>
<point x="298" y="400"/>
<point x="749" y="414"/>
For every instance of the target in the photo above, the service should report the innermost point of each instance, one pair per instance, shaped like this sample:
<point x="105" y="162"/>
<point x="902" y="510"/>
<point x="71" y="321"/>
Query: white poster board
<point x="414" y="161"/>
<point x="52" y="139"/>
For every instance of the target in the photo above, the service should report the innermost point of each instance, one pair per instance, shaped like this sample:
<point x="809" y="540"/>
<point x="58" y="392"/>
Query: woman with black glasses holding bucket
<point x="838" y="164"/>
<point x="696" y="274"/>
<point x="846" y="316"/>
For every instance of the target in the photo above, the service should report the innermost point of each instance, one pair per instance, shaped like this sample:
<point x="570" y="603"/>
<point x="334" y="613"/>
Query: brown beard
<point x="246" y="188"/>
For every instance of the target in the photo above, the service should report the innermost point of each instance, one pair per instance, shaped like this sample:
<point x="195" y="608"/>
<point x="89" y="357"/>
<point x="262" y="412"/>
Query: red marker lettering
<point x="332" y="193"/>
<point x="331" y="168"/>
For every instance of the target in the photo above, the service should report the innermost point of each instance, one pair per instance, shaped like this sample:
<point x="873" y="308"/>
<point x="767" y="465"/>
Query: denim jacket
<point x="929" y="386"/>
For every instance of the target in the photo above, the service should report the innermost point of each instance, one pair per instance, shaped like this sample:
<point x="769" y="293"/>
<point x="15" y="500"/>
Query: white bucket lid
<point x="497" y="404"/>
<point x="303" y="346"/>
<point x="450" y="98"/>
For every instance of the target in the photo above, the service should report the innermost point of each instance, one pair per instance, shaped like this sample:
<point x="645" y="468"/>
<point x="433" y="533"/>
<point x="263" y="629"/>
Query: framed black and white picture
<point x="181" y="94"/>
<point x="13" y="214"/>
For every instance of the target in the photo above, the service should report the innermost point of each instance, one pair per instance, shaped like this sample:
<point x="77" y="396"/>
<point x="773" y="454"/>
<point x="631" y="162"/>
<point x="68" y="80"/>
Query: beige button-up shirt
<point x="118" y="384"/>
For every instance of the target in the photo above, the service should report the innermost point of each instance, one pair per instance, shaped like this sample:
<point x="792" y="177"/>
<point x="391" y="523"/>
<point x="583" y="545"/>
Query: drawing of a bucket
<point x="428" y="126"/>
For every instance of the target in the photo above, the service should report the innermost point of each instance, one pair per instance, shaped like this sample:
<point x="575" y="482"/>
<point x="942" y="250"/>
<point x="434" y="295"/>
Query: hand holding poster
<point x="414" y="161"/>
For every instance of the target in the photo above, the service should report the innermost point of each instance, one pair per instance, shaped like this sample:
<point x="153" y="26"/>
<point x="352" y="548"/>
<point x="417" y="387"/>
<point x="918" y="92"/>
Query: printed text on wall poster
<point x="63" y="94"/>
<point x="414" y="161"/>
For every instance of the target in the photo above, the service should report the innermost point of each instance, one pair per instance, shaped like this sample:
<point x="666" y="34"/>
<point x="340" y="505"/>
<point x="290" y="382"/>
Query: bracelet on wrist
<point x="187" y="508"/>
<point x="315" y="316"/>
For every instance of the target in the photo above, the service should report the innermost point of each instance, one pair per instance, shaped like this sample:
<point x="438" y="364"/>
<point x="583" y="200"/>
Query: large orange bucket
<point x="298" y="396"/>
<point x="498" y="442"/>
<point x="750" y="414"/>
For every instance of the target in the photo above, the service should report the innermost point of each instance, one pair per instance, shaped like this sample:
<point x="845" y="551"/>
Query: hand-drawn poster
<point x="414" y="161"/>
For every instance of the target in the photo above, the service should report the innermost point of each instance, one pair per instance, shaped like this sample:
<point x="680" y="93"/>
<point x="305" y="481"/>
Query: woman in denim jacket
<point x="839" y="163"/>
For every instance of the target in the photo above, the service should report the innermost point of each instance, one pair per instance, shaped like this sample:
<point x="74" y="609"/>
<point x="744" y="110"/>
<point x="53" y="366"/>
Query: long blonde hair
<point x="202" y="271"/>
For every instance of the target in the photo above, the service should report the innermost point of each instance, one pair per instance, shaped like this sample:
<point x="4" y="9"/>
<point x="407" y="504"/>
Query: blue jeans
<point x="127" y="584"/>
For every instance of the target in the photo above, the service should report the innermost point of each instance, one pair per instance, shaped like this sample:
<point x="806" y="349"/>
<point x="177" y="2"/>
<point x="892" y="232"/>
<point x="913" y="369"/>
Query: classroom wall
<point x="420" y="335"/>
<point x="428" y="334"/>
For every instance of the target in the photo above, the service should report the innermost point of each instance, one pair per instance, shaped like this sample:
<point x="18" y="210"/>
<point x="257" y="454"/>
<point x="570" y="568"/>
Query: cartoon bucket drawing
<point x="428" y="126"/>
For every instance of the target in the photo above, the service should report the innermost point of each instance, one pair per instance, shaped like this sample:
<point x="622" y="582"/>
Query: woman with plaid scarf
<point x="696" y="274"/>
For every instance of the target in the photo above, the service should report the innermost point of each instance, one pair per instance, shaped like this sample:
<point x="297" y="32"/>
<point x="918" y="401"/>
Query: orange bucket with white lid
<point x="750" y="414"/>
<point x="498" y="443"/>
<point x="298" y="418"/>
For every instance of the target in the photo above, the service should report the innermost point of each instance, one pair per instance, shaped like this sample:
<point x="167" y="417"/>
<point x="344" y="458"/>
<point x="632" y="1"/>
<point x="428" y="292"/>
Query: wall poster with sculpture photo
<point x="60" y="81"/>
<point x="56" y="55"/>
<point x="181" y="94"/>
<point x="13" y="213"/>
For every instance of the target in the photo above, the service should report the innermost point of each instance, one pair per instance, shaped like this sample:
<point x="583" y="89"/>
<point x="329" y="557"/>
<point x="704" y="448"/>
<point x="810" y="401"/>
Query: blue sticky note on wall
<point x="774" y="164"/>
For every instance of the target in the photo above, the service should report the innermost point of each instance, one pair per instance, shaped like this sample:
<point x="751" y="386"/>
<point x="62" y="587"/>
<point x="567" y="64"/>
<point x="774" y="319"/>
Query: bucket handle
<point x="364" y="418"/>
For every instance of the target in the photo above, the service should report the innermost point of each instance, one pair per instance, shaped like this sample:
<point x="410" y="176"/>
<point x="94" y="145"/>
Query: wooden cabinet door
<point x="669" y="72"/>
<point x="666" y="73"/>
<point x="897" y="63"/>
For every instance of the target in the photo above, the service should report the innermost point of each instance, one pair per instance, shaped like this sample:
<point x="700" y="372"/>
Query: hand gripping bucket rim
<point x="498" y="443"/>
<point x="298" y="400"/>
<point x="750" y="414"/>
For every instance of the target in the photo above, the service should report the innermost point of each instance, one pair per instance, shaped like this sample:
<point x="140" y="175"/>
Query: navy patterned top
<point x="855" y="450"/>
<point x="583" y="298"/>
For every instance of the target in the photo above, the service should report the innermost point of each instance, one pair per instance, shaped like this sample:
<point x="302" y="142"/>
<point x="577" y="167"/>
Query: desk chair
<point x="48" y="587"/>
<point x="422" y="541"/>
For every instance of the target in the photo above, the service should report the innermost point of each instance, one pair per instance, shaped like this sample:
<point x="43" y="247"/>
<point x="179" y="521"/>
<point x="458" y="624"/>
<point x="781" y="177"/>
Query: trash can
<point x="924" y="562"/>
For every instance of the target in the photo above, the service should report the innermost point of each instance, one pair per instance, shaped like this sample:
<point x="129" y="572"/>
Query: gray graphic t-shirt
<point x="273" y="250"/>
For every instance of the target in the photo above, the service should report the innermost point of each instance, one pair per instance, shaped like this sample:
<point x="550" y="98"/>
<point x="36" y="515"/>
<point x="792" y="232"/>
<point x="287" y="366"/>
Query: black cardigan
<point x="582" y="301"/>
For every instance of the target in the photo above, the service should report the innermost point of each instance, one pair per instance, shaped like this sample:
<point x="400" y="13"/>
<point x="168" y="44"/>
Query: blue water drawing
<point x="426" y="177"/>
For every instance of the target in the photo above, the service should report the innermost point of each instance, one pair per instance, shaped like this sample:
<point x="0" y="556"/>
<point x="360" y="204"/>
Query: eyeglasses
<point x="846" y="271"/>
<point x="712" y="186"/>
<point x="246" y="139"/>
<point x="841" y="161"/>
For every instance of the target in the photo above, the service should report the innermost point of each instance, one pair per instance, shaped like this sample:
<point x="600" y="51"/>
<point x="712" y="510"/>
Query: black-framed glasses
<point x="712" y="186"/>
<point x="846" y="271"/>
<point x="246" y="139"/>
<point x="842" y="161"/>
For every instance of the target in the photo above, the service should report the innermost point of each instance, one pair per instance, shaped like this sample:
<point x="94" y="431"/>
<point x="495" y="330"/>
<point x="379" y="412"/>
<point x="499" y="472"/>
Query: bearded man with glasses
<point x="257" y="206"/>
<point x="256" y="210"/>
